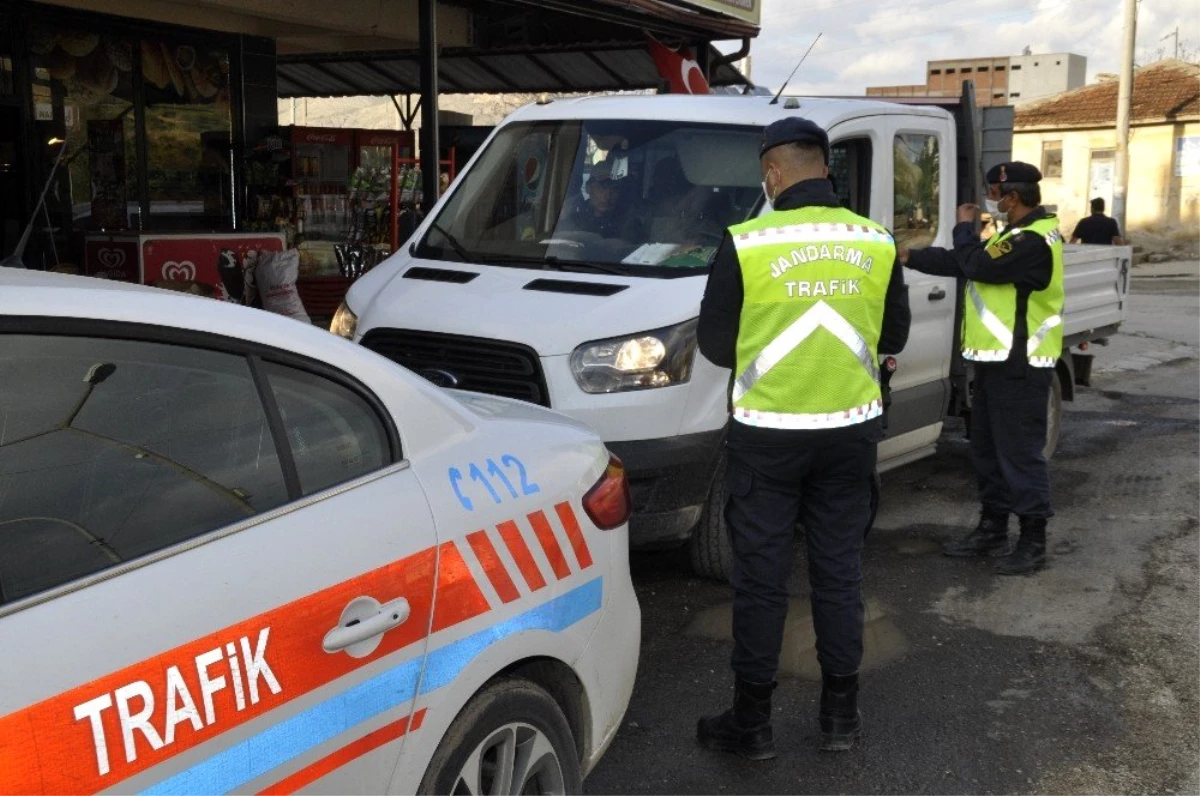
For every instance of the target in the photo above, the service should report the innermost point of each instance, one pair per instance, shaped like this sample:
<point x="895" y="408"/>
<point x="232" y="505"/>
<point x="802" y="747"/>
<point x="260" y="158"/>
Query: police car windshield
<point x="647" y="197"/>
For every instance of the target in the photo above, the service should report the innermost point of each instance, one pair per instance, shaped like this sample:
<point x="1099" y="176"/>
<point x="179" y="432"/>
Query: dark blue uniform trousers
<point x="828" y="483"/>
<point x="1008" y="434"/>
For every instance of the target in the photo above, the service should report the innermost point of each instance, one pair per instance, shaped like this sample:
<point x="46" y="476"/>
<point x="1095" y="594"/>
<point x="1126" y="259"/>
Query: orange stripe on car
<point x="571" y="524"/>
<point x="459" y="597"/>
<point x="554" y="553"/>
<point x="330" y="763"/>
<point x="493" y="567"/>
<point x="515" y="543"/>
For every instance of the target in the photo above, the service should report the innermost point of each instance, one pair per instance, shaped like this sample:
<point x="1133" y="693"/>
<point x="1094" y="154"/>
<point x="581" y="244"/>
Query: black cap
<point x="1013" y="171"/>
<point x="794" y="130"/>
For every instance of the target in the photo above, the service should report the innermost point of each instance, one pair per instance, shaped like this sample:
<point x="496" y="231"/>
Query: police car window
<point x="113" y="449"/>
<point x="850" y="171"/>
<point x="334" y="433"/>
<point x="917" y="173"/>
<point x="633" y="196"/>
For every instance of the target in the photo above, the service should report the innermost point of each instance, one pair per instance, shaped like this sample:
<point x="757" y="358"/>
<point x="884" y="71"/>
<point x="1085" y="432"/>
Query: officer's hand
<point x="967" y="213"/>
<point x="902" y="254"/>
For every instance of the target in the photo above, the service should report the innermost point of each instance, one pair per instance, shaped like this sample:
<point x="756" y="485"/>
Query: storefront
<point x="141" y="126"/>
<point x="151" y="129"/>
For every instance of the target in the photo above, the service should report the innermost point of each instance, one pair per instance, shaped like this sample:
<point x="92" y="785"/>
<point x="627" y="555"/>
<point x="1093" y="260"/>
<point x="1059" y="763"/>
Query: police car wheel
<point x="710" y="549"/>
<point x="1053" y="417"/>
<point x="511" y="738"/>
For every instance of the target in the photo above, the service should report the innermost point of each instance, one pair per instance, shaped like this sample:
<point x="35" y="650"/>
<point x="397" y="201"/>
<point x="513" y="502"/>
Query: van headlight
<point x="344" y="322"/>
<point x="658" y="358"/>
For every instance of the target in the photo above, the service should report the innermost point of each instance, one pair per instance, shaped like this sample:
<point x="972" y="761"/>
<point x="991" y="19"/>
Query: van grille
<point x="511" y="370"/>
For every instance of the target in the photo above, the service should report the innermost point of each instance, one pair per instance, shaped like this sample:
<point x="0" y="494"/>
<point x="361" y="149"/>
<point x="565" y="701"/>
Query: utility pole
<point x="1174" y="35"/>
<point x="1124" y="105"/>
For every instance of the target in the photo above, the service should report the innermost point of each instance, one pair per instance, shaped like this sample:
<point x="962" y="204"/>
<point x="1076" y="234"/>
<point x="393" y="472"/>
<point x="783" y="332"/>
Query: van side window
<point x="333" y="432"/>
<point x="850" y="170"/>
<point x="917" y="172"/>
<point x="114" y="449"/>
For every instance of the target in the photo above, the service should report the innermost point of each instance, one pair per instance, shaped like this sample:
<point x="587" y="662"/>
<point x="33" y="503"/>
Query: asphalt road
<point x="1081" y="679"/>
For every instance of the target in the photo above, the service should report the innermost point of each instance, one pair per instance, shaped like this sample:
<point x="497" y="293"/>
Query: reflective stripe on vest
<point x="820" y="316"/>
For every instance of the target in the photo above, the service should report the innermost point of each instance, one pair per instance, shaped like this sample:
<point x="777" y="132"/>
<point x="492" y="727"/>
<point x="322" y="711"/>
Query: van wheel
<point x="1053" y="417"/>
<point x="710" y="549"/>
<point x="511" y="738"/>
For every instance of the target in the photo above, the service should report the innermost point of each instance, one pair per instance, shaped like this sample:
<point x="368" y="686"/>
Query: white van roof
<point x="721" y="109"/>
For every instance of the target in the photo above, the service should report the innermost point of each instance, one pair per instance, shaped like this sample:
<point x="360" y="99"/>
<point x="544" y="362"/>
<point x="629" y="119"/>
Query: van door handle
<point x="362" y="625"/>
<point x="937" y="294"/>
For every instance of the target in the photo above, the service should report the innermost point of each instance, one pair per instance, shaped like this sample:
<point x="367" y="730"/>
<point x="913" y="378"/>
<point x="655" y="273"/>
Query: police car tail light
<point x="608" y="503"/>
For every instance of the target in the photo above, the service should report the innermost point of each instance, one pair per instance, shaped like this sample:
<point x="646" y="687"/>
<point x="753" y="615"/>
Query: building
<point x="1008" y="80"/>
<point x="146" y="115"/>
<point x="1072" y="137"/>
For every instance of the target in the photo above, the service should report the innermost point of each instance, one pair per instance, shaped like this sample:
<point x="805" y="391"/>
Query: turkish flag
<point x="678" y="67"/>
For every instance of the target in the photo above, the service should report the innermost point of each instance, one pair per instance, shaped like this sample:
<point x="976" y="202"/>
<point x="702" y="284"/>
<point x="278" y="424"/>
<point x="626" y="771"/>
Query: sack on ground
<point x="276" y="283"/>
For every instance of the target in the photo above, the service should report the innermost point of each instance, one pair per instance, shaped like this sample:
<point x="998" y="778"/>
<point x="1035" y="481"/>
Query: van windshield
<point x="625" y="196"/>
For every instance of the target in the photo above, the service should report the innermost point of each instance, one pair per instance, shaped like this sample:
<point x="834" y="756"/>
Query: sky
<point x="887" y="42"/>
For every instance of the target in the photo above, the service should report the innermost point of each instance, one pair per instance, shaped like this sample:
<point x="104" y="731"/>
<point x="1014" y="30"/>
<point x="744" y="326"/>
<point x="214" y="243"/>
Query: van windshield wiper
<point x="459" y="249"/>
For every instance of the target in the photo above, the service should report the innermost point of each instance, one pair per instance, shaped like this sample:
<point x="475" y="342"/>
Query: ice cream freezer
<point x="172" y="260"/>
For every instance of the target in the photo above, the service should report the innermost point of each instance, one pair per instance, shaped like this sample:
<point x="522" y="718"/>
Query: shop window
<point x="84" y="91"/>
<point x="917" y="174"/>
<point x="1052" y="160"/>
<point x="82" y="86"/>
<point x="188" y="135"/>
<point x="114" y="449"/>
<point x="850" y="170"/>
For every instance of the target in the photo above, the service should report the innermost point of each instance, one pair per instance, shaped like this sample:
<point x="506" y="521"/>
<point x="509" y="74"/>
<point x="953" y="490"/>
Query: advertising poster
<point x="106" y="147"/>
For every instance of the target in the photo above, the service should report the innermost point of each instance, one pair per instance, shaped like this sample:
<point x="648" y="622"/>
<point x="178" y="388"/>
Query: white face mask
<point x="993" y="207"/>
<point x="767" y="196"/>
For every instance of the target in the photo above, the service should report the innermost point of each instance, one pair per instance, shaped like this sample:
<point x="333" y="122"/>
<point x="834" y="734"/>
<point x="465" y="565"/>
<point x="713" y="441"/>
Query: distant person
<point x="1098" y="229"/>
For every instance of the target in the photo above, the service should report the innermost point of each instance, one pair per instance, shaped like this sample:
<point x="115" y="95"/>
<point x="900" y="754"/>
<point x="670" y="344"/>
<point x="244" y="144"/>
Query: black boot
<point x="744" y="730"/>
<point x="1030" y="553"/>
<point x="990" y="537"/>
<point x="841" y="723"/>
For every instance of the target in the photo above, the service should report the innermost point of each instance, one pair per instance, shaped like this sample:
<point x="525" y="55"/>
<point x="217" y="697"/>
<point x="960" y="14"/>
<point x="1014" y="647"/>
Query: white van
<point x="521" y="283"/>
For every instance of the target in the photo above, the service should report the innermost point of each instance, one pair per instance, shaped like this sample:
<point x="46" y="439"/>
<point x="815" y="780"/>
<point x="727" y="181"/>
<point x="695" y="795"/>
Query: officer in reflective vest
<point x="1012" y="333"/>
<point x="799" y="304"/>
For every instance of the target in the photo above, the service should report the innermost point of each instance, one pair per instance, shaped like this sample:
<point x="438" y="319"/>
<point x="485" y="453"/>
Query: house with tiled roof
<point x="1072" y="138"/>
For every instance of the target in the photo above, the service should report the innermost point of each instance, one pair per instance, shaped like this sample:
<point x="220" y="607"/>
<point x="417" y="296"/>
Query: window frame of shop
<point x="37" y="160"/>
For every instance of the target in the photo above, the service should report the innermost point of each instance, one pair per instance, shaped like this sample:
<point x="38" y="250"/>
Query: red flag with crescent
<point x="678" y="67"/>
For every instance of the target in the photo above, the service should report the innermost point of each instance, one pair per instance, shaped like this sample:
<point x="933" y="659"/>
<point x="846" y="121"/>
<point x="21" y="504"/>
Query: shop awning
<point x="612" y="66"/>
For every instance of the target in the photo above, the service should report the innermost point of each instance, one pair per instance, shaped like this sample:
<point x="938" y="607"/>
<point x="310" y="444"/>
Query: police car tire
<point x="710" y="549"/>
<point x="1053" y="416"/>
<point x="500" y="703"/>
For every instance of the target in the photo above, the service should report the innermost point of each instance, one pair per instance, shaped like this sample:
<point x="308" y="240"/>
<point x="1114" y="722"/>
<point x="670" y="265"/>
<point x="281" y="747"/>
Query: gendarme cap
<point x="794" y="130"/>
<point x="1013" y="171"/>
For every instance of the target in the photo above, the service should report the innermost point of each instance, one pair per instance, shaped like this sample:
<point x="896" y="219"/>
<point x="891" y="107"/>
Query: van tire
<point x="1053" y="416"/>
<point x="710" y="548"/>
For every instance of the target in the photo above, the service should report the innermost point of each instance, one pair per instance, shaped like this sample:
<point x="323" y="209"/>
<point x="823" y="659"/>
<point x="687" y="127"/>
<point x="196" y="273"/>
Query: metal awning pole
<point x="429" y="102"/>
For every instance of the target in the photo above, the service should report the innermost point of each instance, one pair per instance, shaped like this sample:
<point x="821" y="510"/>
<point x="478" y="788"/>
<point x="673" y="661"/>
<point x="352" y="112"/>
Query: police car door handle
<point x="937" y="294"/>
<point x="362" y="622"/>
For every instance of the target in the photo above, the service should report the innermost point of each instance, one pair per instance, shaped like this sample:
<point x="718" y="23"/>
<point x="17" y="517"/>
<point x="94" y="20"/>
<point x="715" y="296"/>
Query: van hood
<point x="551" y="311"/>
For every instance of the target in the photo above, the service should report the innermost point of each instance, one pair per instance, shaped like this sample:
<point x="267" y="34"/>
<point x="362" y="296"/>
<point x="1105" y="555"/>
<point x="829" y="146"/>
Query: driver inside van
<point x="605" y="212"/>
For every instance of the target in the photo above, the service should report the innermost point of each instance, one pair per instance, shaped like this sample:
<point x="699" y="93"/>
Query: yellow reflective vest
<point x="990" y="311"/>
<point x="815" y="281"/>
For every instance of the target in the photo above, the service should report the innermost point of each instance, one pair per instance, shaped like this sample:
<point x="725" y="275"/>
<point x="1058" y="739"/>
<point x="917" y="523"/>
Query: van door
<point x="217" y="569"/>
<point x="920" y="211"/>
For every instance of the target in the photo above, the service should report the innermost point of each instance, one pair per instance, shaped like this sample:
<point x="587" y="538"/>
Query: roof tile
<point x="1167" y="89"/>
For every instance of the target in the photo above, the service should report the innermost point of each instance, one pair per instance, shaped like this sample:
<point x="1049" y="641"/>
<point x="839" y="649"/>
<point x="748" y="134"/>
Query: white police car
<point x="241" y="554"/>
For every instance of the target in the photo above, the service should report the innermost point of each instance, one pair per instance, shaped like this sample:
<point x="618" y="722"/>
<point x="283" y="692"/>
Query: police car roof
<point x="754" y="110"/>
